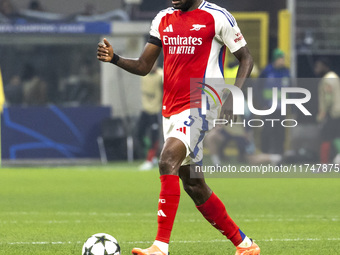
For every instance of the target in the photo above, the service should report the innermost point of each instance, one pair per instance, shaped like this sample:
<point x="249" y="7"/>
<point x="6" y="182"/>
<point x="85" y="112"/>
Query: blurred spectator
<point x="81" y="88"/>
<point x="329" y="109"/>
<point x="152" y="86"/>
<point x="151" y="5"/>
<point x="34" y="88"/>
<point x="7" y="11"/>
<point x="13" y="91"/>
<point x="35" y="5"/>
<point x="221" y="136"/>
<point x="149" y="8"/>
<point x="89" y="10"/>
<point x="275" y="75"/>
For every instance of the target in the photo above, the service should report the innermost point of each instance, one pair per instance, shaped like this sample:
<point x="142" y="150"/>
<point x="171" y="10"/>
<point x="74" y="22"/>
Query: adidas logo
<point x="214" y="225"/>
<point x="169" y="29"/>
<point x="183" y="130"/>
<point x="161" y="213"/>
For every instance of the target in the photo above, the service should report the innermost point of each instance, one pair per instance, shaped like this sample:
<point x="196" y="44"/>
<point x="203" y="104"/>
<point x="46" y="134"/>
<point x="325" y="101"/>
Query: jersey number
<point x="189" y="124"/>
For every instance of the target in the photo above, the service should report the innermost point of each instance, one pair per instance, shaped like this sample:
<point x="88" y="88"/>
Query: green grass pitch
<point x="54" y="210"/>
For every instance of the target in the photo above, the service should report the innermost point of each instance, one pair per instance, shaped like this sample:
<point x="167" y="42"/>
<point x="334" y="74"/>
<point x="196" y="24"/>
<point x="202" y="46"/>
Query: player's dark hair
<point x="35" y="5"/>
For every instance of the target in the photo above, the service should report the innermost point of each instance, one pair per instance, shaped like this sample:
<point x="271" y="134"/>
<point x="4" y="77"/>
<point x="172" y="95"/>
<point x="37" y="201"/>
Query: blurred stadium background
<point x="64" y="114"/>
<point x="62" y="105"/>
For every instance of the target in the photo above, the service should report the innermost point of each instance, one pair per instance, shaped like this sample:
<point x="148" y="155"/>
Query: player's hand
<point x="105" y="51"/>
<point x="227" y="110"/>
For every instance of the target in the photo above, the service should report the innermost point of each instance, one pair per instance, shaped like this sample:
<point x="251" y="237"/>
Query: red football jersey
<point x="194" y="47"/>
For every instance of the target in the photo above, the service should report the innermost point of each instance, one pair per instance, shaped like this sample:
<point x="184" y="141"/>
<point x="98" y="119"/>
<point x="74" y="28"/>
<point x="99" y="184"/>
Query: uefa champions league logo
<point x="284" y="98"/>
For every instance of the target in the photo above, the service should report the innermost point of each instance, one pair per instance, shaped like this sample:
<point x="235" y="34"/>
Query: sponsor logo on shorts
<point x="183" y="130"/>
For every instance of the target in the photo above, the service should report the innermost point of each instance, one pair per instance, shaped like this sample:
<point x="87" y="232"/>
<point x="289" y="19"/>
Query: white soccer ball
<point x="101" y="244"/>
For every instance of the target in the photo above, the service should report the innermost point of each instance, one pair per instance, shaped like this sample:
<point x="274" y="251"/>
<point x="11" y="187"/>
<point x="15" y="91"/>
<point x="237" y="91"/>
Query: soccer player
<point x="275" y="75"/>
<point x="329" y="109"/>
<point x="193" y="35"/>
<point x="152" y="90"/>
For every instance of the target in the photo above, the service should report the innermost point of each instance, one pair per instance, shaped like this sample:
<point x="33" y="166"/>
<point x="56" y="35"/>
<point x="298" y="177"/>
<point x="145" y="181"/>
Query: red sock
<point x="151" y="154"/>
<point x="324" y="152"/>
<point x="214" y="211"/>
<point x="167" y="206"/>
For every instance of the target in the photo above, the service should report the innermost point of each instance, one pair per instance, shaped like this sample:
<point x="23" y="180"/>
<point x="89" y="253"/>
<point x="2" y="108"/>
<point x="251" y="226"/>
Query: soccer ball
<point x="101" y="244"/>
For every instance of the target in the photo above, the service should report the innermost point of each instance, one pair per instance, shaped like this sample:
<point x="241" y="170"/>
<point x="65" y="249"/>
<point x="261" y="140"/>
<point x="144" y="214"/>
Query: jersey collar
<point x="202" y="4"/>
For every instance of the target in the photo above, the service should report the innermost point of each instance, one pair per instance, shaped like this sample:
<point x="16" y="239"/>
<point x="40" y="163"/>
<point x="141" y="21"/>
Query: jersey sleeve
<point x="155" y="36"/>
<point x="230" y="33"/>
<point x="154" y="30"/>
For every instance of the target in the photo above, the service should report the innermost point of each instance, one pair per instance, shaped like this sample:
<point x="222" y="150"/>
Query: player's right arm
<point x="143" y="64"/>
<point x="140" y="66"/>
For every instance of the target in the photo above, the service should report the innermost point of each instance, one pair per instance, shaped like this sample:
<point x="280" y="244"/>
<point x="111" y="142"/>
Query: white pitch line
<point x="75" y="214"/>
<point x="116" y="214"/>
<point x="184" y="241"/>
<point x="299" y="240"/>
<point x="151" y="221"/>
<point x="3" y="222"/>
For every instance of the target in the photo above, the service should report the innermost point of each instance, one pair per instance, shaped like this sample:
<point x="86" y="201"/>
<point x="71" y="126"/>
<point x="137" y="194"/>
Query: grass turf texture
<point x="54" y="210"/>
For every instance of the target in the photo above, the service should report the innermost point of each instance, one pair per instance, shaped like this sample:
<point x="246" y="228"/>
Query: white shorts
<point x="190" y="126"/>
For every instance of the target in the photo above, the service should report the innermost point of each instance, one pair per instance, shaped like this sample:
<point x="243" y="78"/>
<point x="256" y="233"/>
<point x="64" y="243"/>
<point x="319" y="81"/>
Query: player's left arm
<point x="231" y="35"/>
<point x="245" y="67"/>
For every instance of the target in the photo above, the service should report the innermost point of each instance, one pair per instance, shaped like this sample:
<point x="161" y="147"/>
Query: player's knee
<point x="168" y="165"/>
<point x="170" y="161"/>
<point x="192" y="188"/>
